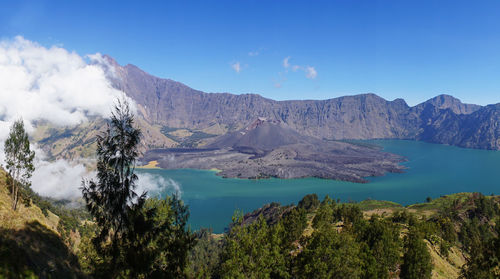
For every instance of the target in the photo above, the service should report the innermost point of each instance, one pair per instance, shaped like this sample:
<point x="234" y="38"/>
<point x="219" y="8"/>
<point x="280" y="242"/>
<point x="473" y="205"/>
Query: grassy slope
<point x="30" y="243"/>
<point x="78" y="142"/>
<point x="444" y="267"/>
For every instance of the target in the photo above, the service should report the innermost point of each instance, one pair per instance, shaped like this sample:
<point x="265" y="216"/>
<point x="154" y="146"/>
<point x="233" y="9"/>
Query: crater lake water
<point x="432" y="170"/>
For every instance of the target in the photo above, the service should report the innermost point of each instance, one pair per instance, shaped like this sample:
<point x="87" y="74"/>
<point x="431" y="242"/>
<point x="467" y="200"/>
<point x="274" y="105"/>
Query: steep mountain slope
<point x="172" y="114"/>
<point x="169" y="103"/>
<point x="173" y="104"/>
<point x="31" y="246"/>
<point x="480" y="129"/>
<point x="77" y="142"/>
<point x="446" y="102"/>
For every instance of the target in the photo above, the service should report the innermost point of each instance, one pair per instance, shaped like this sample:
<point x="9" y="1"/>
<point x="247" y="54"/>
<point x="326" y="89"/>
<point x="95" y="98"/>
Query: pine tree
<point x="325" y="213"/>
<point x="112" y="196"/>
<point x="19" y="159"/>
<point x="253" y="251"/>
<point x="483" y="260"/>
<point x="417" y="262"/>
<point x="383" y="242"/>
<point x="329" y="254"/>
<point x="136" y="237"/>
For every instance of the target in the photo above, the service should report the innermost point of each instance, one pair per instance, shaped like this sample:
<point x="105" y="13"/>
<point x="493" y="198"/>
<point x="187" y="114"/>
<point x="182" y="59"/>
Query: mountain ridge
<point x="365" y="116"/>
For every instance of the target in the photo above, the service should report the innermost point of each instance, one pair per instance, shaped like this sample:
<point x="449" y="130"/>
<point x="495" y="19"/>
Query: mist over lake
<point x="432" y="170"/>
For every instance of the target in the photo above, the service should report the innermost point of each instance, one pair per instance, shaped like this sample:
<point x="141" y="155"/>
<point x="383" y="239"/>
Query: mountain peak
<point x="445" y="101"/>
<point x="110" y="60"/>
<point x="261" y="121"/>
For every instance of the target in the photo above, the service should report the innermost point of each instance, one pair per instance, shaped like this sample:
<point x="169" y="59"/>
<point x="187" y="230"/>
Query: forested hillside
<point x="40" y="239"/>
<point x="449" y="237"/>
<point x="452" y="236"/>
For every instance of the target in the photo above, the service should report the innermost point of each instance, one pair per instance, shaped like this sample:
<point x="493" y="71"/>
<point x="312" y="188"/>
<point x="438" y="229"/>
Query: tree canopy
<point x="135" y="236"/>
<point x="19" y="159"/>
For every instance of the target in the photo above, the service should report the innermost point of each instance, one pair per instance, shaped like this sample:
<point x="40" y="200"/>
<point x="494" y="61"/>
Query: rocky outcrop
<point x="480" y="129"/>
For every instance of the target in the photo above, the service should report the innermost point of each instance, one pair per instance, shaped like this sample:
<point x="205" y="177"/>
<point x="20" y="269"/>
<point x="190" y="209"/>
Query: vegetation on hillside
<point x="39" y="239"/>
<point x="133" y="236"/>
<point x="450" y="237"/>
<point x="124" y="234"/>
<point x="18" y="159"/>
<point x="186" y="138"/>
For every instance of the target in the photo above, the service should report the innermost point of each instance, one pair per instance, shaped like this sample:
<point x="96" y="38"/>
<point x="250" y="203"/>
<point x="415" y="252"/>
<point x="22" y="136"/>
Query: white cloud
<point x="99" y="59"/>
<point x="236" y="67"/>
<point x="254" y="53"/>
<point x="311" y="72"/>
<point x="60" y="179"/>
<point x="52" y="84"/>
<point x="286" y="64"/>
<point x="157" y="185"/>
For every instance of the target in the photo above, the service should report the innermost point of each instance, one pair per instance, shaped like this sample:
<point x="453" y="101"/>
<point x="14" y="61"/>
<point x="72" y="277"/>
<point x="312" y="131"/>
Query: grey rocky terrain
<point x="268" y="148"/>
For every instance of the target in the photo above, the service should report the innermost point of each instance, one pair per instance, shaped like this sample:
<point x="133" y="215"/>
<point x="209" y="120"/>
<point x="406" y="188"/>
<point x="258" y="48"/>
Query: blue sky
<point x="409" y="49"/>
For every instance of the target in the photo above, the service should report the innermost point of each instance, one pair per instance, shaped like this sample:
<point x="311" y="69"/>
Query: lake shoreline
<point x="432" y="170"/>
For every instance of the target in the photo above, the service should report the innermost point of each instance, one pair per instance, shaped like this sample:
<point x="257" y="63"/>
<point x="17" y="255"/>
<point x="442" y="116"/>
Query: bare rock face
<point x="443" y="119"/>
<point x="480" y="129"/>
<point x="443" y="102"/>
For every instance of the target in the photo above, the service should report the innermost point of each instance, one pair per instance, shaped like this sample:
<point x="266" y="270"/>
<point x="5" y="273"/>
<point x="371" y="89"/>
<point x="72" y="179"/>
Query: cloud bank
<point x="51" y="84"/>
<point x="59" y="179"/>
<point x="58" y="86"/>
<point x="157" y="185"/>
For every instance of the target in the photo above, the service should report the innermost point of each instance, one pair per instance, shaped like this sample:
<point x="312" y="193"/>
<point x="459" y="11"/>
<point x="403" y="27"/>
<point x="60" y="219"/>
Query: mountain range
<point x="443" y="119"/>
<point x="172" y="114"/>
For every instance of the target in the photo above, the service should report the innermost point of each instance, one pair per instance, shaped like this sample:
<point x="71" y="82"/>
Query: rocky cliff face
<point x="480" y="129"/>
<point x="443" y="119"/>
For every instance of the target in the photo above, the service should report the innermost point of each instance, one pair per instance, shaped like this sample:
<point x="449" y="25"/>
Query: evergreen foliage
<point x="329" y="254"/>
<point x="204" y="257"/>
<point x="18" y="159"/>
<point x="325" y="213"/>
<point x="294" y="223"/>
<point x="309" y="202"/>
<point x="382" y="240"/>
<point x="417" y="263"/>
<point x="135" y="237"/>
<point x="253" y="251"/>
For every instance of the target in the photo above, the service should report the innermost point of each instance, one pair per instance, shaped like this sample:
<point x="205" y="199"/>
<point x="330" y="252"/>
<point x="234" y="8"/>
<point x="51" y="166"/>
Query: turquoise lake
<point x="432" y="170"/>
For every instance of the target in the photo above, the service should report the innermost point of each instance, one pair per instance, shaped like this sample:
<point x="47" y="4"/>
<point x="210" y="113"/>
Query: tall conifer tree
<point x="19" y="159"/>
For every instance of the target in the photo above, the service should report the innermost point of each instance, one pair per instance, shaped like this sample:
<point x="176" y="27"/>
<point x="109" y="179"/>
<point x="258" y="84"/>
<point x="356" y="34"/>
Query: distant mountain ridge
<point x="443" y="119"/>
